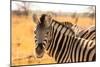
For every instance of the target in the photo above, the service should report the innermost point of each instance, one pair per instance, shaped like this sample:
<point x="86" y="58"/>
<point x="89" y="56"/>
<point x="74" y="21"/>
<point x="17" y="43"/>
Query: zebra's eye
<point x="47" y="32"/>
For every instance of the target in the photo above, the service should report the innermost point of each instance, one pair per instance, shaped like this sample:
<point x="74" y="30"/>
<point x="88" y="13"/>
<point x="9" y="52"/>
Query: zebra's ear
<point x="49" y="18"/>
<point x="35" y="18"/>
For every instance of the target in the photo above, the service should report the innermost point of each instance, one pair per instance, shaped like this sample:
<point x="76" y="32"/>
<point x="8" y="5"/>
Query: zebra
<point x="60" y="42"/>
<point x="76" y="28"/>
<point x="87" y="33"/>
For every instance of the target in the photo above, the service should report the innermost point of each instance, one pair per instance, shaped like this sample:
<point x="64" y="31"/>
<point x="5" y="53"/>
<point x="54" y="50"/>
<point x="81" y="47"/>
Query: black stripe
<point x="67" y="50"/>
<point x="52" y="42"/>
<point x="94" y="57"/>
<point x="50" y="51"/>
<point x="93" y="38"/>
<point x="87" y="57"/>
<point x="45" y="41"/>
<point x="75" y="40"/>
<point x="48" y="46"/>
<point x="63" y="48"/>
<point x="56" y="41"/>
<point x="90" y="34"/>
<point x="85" y="50"/>
<point x="81" y="49"/>
<point x="77" y="44"/>
<point x="52" y="37"/>
<point x="84" y="34"/>
<point x="59" y="47"/>
<point x="70" y="45"/>
<point x="63" y="51"/>
<point x="35" y="41"/>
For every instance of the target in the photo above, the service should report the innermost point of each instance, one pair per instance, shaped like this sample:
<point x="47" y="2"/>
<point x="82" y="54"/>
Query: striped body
<point x="68" y="48"/>
<point x="89" y="33"/>
<point x="61" y="43"/>
<point x="74" y="27"/>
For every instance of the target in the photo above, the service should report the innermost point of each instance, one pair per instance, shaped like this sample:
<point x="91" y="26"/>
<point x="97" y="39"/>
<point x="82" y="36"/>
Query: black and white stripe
<point x="64" y="46"/>
<point x="89" y="33"/>
<point x="74" y="27"/>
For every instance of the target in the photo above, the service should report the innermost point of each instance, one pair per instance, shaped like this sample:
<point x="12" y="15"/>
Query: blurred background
<point x="23" y="27"/>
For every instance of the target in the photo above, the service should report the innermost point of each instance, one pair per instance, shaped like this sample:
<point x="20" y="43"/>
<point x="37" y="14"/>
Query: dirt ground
<point x="23" y="45"/>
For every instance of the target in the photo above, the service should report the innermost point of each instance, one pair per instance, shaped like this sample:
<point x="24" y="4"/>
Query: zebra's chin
<point x="39" y="56"/>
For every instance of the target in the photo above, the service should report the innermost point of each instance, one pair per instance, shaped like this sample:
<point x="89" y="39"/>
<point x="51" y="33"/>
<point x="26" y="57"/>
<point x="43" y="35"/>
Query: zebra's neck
<point x="65" y="47"/>
<point x="59" y="33"/>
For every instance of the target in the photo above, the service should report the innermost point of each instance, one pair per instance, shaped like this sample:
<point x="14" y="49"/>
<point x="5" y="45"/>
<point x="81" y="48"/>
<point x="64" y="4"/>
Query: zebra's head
<point x="41" y="33"/>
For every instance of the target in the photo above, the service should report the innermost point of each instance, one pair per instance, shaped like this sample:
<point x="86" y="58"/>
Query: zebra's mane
<point x="67" y="23"/>
<point x="60" y="23"/>
<point x="42" y="24"/>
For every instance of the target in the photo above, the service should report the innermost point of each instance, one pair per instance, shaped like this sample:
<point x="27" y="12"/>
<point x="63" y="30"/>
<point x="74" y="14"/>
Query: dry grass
<point x="23" y="40"/>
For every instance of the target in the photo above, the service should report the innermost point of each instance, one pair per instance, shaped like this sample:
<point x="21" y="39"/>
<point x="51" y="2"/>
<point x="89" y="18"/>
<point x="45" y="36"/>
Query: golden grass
<point x="23" y="45"/>
<point x="23" y="42"/>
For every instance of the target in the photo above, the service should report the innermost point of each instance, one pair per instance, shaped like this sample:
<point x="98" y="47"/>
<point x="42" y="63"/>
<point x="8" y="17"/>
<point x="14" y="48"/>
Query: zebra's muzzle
<point x="39" y="50"/>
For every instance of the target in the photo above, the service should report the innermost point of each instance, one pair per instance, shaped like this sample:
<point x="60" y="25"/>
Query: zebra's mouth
<point x="39" y="56"/>
<point x="39" y="51"/>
